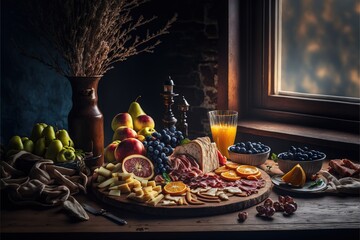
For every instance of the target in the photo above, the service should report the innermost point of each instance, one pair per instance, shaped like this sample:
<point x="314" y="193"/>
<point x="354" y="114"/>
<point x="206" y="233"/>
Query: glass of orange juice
<point x="223" y="124"/>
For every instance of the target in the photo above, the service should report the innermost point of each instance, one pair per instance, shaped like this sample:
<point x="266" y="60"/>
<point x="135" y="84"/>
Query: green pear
<point x="70" y="148"/>
<point x="15" y="143"/>
<point x="64" y="137"/>
<point x="49" y="134"/>
<point x="53" y="149"/>
<point x="36" y="131"/>
<point x="135" y="109"/>
<point x="40" y="147"/>
<point x="23" y="139"/>
<point x="28" y="145"/>
<point x="65" y="155"/>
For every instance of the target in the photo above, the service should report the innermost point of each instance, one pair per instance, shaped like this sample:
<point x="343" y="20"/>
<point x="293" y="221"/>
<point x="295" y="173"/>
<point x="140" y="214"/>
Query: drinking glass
<point x="223" y="124"/>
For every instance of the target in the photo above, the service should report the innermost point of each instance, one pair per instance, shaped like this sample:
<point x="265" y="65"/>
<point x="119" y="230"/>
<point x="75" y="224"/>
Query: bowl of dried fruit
<point x="249" y="153"/>
<point x="310" y="160"/>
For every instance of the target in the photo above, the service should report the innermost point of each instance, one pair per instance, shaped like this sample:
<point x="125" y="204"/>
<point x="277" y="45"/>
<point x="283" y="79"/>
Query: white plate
<point x="276" y="180"/>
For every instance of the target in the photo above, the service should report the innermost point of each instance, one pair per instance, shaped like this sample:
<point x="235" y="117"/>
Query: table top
<point x="318" y="215"/>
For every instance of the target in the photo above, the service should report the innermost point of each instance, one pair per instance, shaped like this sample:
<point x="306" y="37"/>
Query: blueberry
<point x="158" y="160"/>
<point x="163" y="156"/>
<point x="156" y="152"/>
<point x="242" y="150"/>
<point x="232" y="148"/>
<point x="293" y="149"/>
<point x="172" y="129"/>
<point x="150" y="148"/>
<point x="249" y="151"/>
<point x="160" y="165"/>
<point x="166" y="150"/>
<point x="237" y="149"/>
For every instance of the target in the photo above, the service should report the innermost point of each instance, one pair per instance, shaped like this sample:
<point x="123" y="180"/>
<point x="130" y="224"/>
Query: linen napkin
<point x="348" y="185"/>
<point x="31" y="180"/>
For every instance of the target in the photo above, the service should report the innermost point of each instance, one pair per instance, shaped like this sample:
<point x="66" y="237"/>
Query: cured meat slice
<point x="203" y="151"/>
<point x="344" y="168"/>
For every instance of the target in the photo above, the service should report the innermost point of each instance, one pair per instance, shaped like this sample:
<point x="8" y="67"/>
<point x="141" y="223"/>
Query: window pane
<point x="318" y="52"/>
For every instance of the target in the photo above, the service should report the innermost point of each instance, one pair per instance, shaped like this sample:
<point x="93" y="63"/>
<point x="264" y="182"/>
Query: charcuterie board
<point x="235" y="203"/>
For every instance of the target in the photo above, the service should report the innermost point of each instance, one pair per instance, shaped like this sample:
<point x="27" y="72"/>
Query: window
<point x="265" y="55"/>
<point x="318" y="49"/>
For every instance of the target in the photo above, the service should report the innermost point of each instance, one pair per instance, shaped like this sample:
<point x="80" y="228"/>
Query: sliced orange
<point x="175" y="188"/>
<point x="230" y="175"/>
<point x="247" y="170"/>
<point x="221" y="169"/>
<point x="232" y="165"/>
<point x="296" y="176"/>
<point x="254" y="177"/>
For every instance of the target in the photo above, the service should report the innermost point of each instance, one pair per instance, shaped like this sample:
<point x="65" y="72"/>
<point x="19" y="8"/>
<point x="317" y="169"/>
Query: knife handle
<point x="114" y="218"/>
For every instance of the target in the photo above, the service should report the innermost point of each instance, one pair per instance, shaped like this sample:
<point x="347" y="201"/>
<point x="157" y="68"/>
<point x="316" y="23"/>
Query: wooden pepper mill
<point x="182" y="125"/>
<point x="168" y="95"/>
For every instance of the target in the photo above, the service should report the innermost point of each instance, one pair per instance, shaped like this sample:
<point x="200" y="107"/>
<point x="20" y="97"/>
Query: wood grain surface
<point x="235" y="203"/>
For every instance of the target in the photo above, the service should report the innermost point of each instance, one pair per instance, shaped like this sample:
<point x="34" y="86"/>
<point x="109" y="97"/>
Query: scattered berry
<point x="242" y="216"/>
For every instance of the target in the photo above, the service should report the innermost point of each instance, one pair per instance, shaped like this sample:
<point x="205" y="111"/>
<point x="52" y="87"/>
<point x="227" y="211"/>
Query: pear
<point x="40" y="147"/>
<point x="15" y="143"/>
<point x="135" y="109"/>
<point x="49" y="134"/>
<point x="65" y="155"/>
<point x="36" y="131"/>
<point x="28" y="145"/>
<point x="64" y="137"/>
<point x="53" y="149"/>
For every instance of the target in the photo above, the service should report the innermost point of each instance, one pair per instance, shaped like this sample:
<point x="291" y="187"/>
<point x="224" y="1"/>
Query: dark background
<point x="31" y="92"/>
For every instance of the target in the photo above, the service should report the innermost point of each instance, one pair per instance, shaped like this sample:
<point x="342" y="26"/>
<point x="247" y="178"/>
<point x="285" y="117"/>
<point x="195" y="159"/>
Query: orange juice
<point x="223" y="136"/>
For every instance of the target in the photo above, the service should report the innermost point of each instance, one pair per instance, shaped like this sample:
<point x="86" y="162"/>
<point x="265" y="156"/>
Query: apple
<point x="110" y="150"/>
<point x="143" y="121"/>
<point x="140" y="137"/>
<point x="146" y="131"/>
<point x="128" y="147"/>
<point x="122" y="133"/>
<point x="122" y="120"/>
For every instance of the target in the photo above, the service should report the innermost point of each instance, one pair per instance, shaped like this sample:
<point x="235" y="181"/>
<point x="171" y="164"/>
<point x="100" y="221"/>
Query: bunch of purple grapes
<point x="161" y="145"/>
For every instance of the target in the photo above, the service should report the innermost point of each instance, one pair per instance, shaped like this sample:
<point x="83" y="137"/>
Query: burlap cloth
<point x="28" y="179"/>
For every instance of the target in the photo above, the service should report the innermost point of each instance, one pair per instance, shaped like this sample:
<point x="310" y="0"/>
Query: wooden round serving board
<point x="234" y="203"/>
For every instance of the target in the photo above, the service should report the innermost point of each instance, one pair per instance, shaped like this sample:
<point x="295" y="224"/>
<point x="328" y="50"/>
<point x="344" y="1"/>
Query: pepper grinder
<point x="168" y="95"/>
<point x="183" y="107"/>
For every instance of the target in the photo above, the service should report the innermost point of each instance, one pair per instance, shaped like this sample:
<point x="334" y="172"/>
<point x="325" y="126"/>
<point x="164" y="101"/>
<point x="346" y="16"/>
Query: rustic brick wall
<point x="196" y="54"/>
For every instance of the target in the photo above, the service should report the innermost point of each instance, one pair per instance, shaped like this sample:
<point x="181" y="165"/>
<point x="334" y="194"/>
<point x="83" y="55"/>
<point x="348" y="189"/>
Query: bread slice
<point x="203" y="151"/>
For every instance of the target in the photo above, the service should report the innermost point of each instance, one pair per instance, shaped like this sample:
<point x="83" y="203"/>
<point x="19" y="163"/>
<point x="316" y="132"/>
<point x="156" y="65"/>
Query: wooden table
<point x="320" y="216"/>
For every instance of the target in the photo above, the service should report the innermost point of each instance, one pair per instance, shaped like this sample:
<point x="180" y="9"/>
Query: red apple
<point x="143" y="121"/>
<point x="122" y="120"/>
<point x="110" y="150"/>
<point x="122" y="133"/>
<point x="128" y="147"/>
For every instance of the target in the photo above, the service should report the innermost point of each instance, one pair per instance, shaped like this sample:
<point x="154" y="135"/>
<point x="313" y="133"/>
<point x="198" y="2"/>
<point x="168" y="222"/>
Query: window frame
<point x="251" y="66"/>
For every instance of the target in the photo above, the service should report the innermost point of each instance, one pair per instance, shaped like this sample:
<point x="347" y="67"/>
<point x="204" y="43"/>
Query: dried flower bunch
<point x="89" y="36"/>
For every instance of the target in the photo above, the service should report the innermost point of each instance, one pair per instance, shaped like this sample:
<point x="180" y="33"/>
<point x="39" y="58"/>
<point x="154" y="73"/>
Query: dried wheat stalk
<point x="89" y="36"/>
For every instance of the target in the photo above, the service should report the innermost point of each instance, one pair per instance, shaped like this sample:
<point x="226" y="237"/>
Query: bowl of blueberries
<point x="249" y="153"/>
<point x="310" y="160"/>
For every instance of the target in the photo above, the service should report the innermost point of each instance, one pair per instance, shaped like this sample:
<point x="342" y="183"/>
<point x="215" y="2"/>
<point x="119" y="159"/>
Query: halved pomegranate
<point x="139" y="165"/>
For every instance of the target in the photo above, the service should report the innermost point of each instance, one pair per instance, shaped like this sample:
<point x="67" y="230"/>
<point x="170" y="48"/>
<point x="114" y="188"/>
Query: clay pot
<point x="85" y="120"/>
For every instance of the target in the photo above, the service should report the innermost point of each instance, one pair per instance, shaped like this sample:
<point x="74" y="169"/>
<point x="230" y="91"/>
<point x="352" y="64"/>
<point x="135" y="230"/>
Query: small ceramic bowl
<point x="310" y="167"/>
<point x="249" y="159"/>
